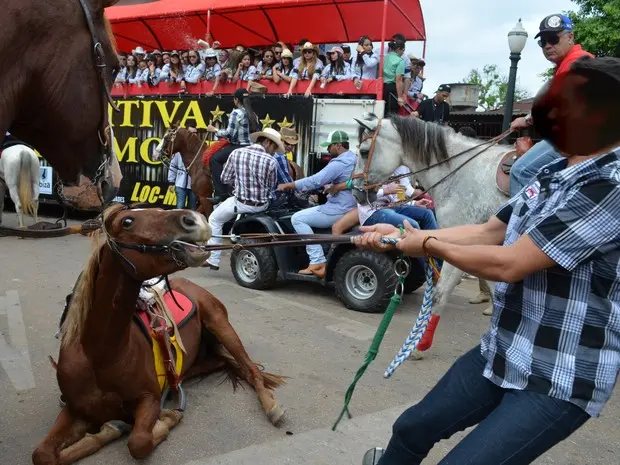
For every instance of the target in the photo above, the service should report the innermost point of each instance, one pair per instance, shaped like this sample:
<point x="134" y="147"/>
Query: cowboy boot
<point x="427" y="339"/>
<point x="317" y="270"/>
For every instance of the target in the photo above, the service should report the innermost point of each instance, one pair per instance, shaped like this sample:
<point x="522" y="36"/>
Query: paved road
<point x="298" y="330"/>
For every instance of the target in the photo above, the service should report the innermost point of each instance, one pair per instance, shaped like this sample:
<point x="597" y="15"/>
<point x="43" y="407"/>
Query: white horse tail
<point x="25" y="193"/>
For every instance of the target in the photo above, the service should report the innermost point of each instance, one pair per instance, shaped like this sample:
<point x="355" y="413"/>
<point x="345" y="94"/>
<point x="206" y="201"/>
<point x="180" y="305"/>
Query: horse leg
<point x="66" y="431"/>
<point x="2" y="192"/>
<point x="215" y="319"/>
<point x="13" y="193"/>
<point x="91" y="443"/>
<point x="151" y="426"/>
<point x="448" y="280"/>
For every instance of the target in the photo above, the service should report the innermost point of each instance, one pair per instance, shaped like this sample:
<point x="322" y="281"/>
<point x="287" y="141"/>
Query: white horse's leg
<point x="448" y="280"/>
<point x="35" y="175"/>
<point x="13" y="193"/>
<point x="2" y="192"/>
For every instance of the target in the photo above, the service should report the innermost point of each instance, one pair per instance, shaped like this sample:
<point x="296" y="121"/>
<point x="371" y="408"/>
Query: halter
<point x="169" y="147"/>
<point x="371" y="152"/>
<point x="104" y="130"/>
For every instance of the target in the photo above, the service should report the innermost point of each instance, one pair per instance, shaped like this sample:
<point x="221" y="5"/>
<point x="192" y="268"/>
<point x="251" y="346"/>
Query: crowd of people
<point x="279" y="63"/>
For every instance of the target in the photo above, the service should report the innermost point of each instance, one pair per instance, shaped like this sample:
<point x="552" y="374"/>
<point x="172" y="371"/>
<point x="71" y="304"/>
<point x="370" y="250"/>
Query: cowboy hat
<point x="272" y="135"/>
<point x="289" y="136"/>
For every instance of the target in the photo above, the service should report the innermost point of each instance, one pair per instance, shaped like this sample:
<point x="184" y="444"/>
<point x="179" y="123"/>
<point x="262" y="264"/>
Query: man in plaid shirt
<point x="252" y="170"/>
<point x="551" y="357"/>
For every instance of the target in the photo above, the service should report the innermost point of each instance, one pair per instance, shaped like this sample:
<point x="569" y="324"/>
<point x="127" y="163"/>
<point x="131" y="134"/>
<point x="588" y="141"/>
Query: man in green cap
<point x="338" y="170"/>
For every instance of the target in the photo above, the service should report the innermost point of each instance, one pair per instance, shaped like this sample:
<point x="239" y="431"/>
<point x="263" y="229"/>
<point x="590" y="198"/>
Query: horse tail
<point x="25" y="183"/>
<point x="234" y="373"/>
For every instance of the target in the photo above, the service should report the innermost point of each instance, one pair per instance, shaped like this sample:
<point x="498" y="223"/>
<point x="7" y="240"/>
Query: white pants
<point x="225" y="212"/>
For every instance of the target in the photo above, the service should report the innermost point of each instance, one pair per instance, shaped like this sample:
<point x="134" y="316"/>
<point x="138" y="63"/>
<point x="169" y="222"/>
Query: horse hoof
<point x="416" y="355"/>
<point x="276" y="415"/>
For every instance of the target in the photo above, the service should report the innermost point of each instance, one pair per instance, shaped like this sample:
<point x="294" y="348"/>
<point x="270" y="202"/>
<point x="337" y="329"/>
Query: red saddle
<point x="181" y="312"/>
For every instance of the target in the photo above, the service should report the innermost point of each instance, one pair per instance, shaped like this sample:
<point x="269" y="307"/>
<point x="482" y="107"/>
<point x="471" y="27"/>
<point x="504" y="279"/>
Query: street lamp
<point x="517" y="38"/>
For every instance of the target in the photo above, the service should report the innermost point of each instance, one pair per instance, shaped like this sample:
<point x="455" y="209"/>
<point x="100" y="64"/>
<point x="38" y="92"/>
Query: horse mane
<point x="82" y="299"/>
<point x="425" y="142"/>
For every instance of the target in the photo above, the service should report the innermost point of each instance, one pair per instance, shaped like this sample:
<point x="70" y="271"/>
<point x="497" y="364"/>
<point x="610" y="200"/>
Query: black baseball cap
<point x="346" y="48"/>
<point x="444" y="88"/>
<point x="555" y="23"/>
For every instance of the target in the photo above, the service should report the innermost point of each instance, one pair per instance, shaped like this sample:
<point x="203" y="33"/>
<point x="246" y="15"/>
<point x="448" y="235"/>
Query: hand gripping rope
<point x="401" y="270"/>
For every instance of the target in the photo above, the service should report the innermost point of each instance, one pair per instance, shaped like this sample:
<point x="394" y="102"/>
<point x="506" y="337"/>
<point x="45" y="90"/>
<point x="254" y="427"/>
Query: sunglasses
<point x="309" y="51"/>
<point x="551" y="39"/>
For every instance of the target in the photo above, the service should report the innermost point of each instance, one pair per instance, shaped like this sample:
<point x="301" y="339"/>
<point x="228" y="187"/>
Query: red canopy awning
<point x="177" y="24"/>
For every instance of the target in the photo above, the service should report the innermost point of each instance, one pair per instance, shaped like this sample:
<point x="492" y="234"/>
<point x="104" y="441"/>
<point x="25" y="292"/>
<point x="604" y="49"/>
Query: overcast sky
<point x="466" y="34"/>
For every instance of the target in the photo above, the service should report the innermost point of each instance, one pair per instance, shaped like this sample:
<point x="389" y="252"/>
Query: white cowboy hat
<point x="138" y="51"/>
<point x="270" y="134"/>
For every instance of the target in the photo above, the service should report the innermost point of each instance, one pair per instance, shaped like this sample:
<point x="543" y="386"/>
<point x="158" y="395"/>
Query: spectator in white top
<point x="195" y="70"/>
<point x="132" y="70"/>
<point x="337" y="69"/>
<point x="165" y="58"/>
<point x="346" y="52"/>
<point x="277" y="52"/>
<point x="159" y="62"/>
<point x="139" y="53"/>
<point x="172" y="72"/>
<point x="366" y="65"/>
<point x="308" y="67"/>
<point x="153" y="72"/>
<point x="142" y="73"/>
<point x="266" y="68"/>
<point x="284" y="69"/>
<point x="246" y="71"/>
<point x="212" y="67"/>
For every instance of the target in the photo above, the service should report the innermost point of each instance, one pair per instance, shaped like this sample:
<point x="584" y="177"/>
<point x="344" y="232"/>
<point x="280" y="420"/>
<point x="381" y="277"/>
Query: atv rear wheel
<point x="254" y="268"/>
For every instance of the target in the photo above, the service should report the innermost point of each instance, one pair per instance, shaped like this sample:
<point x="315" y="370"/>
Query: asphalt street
<point x="298" y="330"/>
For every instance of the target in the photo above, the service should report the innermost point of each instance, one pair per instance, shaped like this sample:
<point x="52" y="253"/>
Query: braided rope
<point x="416" y="333"/>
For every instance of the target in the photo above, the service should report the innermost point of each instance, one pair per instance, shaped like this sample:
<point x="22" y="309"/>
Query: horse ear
<point x="364" y="124"/>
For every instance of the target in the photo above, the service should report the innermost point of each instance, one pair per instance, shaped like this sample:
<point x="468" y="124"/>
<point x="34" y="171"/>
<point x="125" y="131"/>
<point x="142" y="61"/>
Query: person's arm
<point x="173" y="169"/>
<point x="332" y="171"/>
<point x="294" y="78"/>
<point x="195" y="74"/>
<point x="232" y="126"/>
<point x="315" y="77"/>
<point x="370" y="60"/>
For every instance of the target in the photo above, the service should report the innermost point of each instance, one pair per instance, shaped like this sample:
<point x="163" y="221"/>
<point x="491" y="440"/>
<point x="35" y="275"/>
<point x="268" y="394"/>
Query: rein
<point x="170" y="147"/>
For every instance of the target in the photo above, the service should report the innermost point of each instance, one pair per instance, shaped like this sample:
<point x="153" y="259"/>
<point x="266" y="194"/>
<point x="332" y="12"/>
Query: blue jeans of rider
<point x="185" y="194"/>
<point x="303" y="221"/>
<point x="528" y="166"/>
<point x="514" y="427"/>
<point x="419" y="217"/>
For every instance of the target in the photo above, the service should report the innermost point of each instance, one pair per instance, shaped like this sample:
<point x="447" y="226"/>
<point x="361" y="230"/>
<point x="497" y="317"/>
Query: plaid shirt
<point x="283" y="175"/>
<point x="557" y="332"/>
<point x="238" y="130"/>
<point x="253" y="172"/>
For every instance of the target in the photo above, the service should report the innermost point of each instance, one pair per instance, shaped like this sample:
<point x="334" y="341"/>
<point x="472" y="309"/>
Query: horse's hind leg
<point x="18" y="205"/>
<point x="66" y="431"/>
<point x="214" y="318"/>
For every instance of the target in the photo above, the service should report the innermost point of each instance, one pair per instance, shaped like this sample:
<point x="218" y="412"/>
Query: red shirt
<point x="573" y="55"/>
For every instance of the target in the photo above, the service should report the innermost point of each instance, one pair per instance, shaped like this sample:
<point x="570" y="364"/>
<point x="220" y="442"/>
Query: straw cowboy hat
<point x="272" y="135"/>
<point x="289" y="136"/>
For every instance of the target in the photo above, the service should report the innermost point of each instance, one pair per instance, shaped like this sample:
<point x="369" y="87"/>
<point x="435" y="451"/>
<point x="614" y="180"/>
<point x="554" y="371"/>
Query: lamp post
<point x="517" y="38"/>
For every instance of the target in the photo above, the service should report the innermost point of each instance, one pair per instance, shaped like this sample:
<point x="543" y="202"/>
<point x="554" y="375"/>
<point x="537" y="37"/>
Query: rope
<point x="416" y="333"/>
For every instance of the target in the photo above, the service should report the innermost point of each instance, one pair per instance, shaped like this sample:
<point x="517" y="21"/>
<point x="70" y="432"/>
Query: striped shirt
<point x="557" y="332"/>
<point x="253" y="172"/>
<point x="238" y="129"/>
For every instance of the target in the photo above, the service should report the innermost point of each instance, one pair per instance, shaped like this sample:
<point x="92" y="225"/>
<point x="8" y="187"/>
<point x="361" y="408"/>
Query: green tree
<point x="597" y="26"/>
<point x="493" y="87"/>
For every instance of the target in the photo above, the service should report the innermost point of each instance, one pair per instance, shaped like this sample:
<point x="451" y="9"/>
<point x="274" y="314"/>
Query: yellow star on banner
<point x="285" y="123"/>
<point x="267" y="122"/>
<point x="217" y="114"/>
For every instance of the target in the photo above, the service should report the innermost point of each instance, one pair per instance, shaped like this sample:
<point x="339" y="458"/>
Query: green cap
<point x="335" y="137"/>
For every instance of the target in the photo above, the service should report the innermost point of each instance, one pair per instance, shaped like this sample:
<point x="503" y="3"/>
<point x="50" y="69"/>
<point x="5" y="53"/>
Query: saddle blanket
<point x="149" y="315"/>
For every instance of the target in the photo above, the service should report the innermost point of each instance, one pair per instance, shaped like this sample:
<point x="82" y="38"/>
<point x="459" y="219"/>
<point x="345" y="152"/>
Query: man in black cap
<point x="435" y="110"/>
<point x="558" y="46"/>
<point x="550" y="359"/>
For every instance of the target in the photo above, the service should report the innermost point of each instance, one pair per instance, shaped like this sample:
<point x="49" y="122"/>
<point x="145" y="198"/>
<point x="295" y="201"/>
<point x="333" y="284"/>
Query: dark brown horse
<point x="191" y="147"/>
<point x="54" y="86"/>
<point x="106" y="367"/>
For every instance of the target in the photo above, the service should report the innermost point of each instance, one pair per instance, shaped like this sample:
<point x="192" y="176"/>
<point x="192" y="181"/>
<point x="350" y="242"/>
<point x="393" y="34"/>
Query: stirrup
<point x="372" y="456"/>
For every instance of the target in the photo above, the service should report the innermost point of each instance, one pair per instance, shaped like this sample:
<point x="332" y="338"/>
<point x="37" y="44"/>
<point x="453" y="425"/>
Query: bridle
<point x="172" y="248"/>
<point x="168" y="147"/>
<point x="104" y="132"/>
<point x="486" y="145"/>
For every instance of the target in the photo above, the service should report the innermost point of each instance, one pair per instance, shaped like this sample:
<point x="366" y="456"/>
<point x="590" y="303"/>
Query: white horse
<point x="19" y="170"/>
<point x="467" y="196"/>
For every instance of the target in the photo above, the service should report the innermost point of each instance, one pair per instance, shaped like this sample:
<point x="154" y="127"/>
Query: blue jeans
<point x="528" y="166"/>
<point x="303" y="221"/>
<point x="514" y="427"/>
<point x="182" y="195"/>
<point x="419" y="217"/>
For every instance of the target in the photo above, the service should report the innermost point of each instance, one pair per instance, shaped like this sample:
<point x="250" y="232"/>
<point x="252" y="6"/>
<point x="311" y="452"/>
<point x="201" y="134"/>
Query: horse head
<point x="386" y="145"/>
<point x="155" y="242"/>
<point x="177" y="139"/>
<point x="67" y="65"/>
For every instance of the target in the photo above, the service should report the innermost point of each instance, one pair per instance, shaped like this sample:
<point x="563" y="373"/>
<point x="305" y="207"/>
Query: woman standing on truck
<point x="242" y="122"/>
<point x="306" y="67"/>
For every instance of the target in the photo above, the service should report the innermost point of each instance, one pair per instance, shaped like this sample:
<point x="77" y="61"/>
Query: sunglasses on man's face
<point x="550" y="39"/>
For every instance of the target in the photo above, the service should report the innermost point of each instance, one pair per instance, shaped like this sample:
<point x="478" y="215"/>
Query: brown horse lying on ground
<point x="106" y="367"/>
<point x="191" y="147"/>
